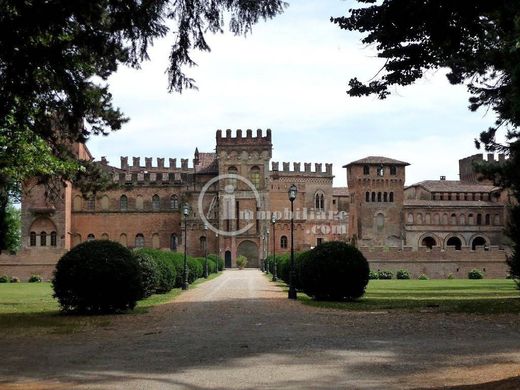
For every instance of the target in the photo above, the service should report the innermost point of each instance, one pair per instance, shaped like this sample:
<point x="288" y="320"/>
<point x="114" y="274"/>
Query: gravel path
<point x="239" y="331"/>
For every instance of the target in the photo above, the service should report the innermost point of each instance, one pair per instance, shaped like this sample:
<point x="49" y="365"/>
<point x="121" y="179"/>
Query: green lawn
<point x="485" y="296"/>
<point x="27" y="308"/>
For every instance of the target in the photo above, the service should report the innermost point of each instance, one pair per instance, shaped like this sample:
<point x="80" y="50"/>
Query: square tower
<point x="376" y="187"/>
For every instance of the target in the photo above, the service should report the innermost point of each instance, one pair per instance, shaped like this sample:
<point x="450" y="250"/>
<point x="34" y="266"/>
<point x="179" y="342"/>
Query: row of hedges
<point x="404" y="274"/>
<point x="15" y="279"/>
<point x="103" y="276"/>
<point x="333" y="271"/>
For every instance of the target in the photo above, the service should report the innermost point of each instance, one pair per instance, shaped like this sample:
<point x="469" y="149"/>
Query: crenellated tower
<point x="243" y="195"/>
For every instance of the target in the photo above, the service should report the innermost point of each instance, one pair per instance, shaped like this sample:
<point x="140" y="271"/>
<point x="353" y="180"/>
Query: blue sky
<point x="291" y="75"/>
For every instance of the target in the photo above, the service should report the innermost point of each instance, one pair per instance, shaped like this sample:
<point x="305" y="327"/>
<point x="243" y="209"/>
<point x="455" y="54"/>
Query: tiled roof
<point x="340" y="191"/>
<point x="453" y="186"/>
<point x="372" y="160"/>
<point x="207" y="163"/>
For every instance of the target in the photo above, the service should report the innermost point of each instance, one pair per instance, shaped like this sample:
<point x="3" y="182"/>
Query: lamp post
<point x="292" y="274"/>
<point x="206" y="251"/>
<point x="266" y="245"/>
<point x="275" y="274"/>
<point x="185" y="212"/>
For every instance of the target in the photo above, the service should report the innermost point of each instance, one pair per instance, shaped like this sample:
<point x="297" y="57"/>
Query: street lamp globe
<point x="293" y="190"/>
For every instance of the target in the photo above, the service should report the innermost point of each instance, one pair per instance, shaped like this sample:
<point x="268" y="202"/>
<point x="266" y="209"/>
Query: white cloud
<point x="291" y="75"/>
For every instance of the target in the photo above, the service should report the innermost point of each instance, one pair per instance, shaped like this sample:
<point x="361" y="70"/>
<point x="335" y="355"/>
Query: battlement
<point x="297" y="168"/>
<point x="467" y="170"/>
<point x="239" y="139"/>
<point x="148" y="164"/>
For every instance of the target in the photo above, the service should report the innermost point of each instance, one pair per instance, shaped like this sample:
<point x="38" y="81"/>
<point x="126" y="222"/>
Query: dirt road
<point x="240" y="331"/>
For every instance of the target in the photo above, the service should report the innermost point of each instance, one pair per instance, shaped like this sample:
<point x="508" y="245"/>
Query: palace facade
<point x="233" y="195"/>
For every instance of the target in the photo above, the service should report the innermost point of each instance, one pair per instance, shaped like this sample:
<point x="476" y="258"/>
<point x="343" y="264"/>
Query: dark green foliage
<point x="97" y="277"/>
<point x="218" y="260"/>
<point x="13" y="237"/>
<point x="475" y="274"/>
<point x="195" y="270"/>
<point x="384" y="274"/>
<point x="402" y="274"/>
<point x="166" y="272"/>
<point x="149" y="273"/>
<point x="35" y="279"/>
<point x="212" y="266"/>
<point x="55" y="60"/>
<point x="478" y="42"/>
<point x="373" y="275"/>
<point x="5" y="279"/>
<point x="334" y="271"/>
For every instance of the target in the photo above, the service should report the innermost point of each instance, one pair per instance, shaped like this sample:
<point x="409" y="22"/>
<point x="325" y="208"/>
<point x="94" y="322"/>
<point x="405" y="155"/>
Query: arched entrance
<point x="478" y="241"/>
<point x="454" y="242"/>
<point x="227" y="259"/>
<point x="250" y="250"/>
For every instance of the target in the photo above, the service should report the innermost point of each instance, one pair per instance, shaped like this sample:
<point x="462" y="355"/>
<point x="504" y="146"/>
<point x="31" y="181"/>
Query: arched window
<point x="91" y="204"/>
<point x="393" y="170"/>
<point x="410" y="218"/>
<point x="283" y="241"/>
<point x="255" y="176"/>
<point x="454" y="242"/>
<point x="429" y="242"/>
<point x="367" y="197"/>
<point x="123" y="239"/>
<point x="319" y="201"/>
<point x="139" y="202"/>
<point x="156" y="202"/>
<point x="379" y="197"/>
<point x="105" y="203"/>
<point x="232" y="171"/>
<point x="380" y="221"/>
<point x="91" y="237"/>
<point x="496" y="220"/>
<point x="123" y="203"/>
<point x="419" y="219"/>
<point x="43" y="239"/>
<point x="479" y="219"/>
<point x="453" y="219"/>
<point x="104" y="236"/>
<point x="478" y="241"/>
<point x="391" y="197"/>
<point x="380" y="170"/>
<point x="77" y="203"/>
<point x="366" y="170"/>
<point x="173" y="242"/>
<point x="202" y="242"/>
<point x="139" y="241"/>
<point x="373" y="196"/>
<point x="174" y="202"/>
<point x="488" y="219"/>
<point x="470" y="219"/>
<point x="53" y="239"/>
<point x="156" y="242"/>
<point x="385" y="197"/>
<point x="32" y="239"/>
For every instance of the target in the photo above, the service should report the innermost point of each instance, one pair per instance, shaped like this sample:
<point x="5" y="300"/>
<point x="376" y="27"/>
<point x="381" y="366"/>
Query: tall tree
<point x="478" y="41"/>
<point x="55" y="60"/>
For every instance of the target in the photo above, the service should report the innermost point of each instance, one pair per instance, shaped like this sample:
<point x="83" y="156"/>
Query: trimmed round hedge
<point x="97" y="276"/>
<point x="165" y="268"/>
<point x="333" y="271"/>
